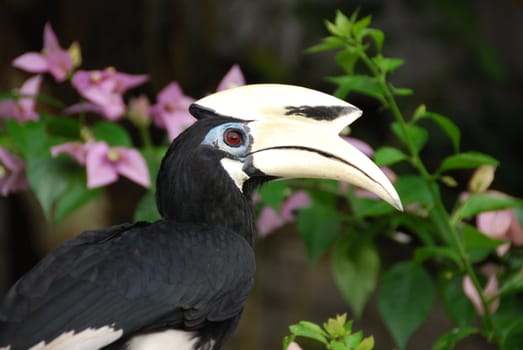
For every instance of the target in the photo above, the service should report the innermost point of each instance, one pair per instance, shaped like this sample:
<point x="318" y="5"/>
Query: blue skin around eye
<point x="214" y="138"/>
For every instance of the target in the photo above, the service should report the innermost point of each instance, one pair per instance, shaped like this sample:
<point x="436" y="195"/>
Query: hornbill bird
<point x="182" y="282"/>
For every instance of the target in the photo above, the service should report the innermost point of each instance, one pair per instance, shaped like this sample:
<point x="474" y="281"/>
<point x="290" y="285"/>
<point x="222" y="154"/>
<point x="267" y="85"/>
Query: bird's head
<point x="251" y="134"/>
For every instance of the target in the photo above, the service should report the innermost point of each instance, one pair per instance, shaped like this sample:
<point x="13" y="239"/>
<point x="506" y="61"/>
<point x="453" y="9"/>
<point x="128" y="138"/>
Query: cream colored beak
<point x="295" y="134"/>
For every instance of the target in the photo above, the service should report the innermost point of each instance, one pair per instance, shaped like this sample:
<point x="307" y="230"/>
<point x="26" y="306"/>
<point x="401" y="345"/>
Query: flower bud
<point x="86" y="134"/>
<point x="482" y="178"/>
<point x="76" y="54"/>
<point x="138" y="111"/>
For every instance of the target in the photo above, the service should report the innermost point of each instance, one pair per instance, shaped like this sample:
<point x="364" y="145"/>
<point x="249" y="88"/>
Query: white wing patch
<point x="88" y="339"/>
<point x="166" y="340"/>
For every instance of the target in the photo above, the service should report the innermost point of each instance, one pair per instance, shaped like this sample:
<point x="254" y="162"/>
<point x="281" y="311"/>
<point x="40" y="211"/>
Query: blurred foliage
<point x="460" y="253"/>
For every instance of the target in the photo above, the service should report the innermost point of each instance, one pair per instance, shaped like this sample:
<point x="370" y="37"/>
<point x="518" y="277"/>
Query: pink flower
<point x="233" y="78"/>
<point x="104" y="164"/>
<point x="77" y="150"/>
<point x="53" y="58"/>
<point x="294" y="346"/>
<point x="298" y="200"/>
<point x="501" y="224"/>
<point x="363" y="147"/>
<point x="12" y="173"/>
<point x="366" y="149"/>
<point x="269" y="220"/>
<point x="391" y="175"/>
<point x="171" y="110"/>
<point x="104" y="90"/>
<point x="490" y="290"/>
<point x="22" y="109"/>
<point x="84" y="107"/>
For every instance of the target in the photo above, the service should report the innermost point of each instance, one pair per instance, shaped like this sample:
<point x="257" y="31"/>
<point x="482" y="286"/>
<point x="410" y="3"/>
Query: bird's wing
<point x="107" y="285"/>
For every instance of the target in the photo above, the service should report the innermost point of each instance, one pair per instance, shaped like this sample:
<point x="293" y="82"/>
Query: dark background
<point x="464" y="59"/>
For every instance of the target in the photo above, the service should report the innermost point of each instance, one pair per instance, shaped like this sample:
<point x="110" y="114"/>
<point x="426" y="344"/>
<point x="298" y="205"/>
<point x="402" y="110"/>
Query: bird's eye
<point x="233" y="137"/>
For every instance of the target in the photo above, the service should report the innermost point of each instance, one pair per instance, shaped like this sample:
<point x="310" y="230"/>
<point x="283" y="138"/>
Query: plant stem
<point x="146" y="137"/>
<point x="444" y="221"/>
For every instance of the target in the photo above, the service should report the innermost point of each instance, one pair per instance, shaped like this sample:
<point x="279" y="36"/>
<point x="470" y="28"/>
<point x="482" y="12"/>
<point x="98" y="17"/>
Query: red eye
<point x="233" y="137"/>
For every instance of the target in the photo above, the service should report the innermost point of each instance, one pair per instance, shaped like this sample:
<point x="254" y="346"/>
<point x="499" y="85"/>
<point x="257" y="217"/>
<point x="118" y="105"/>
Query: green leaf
<point x="388" y="64"/>
<point x="388" y="155"/>
<point x="319" y="227"/>
<point x="513" y="340"/>
<point x="352" y="340"/>
<point x="273" y="193"/>
<point x="153" y="157"/>
<point x="377" y="35"/>
<point x="473" y="238"/>
<point x="419" y="226"/>
<point x="466" y="160"/>
<point x="329" y="43"/>
<point x="30" y="137"/>
<point x="449" y="181"/>
<point x="359" y="26"/>
<point x="287" y="341"/>
<point x="414" y="189"/>
<point x="58" y="183"/>
<point x="447" y="126"/>
<point x="336" y="345"/>
<point x="343" y="24"/>
<point x="458" y="307"/>
<point x="510" y="328"/>
<point x="48" y="178"/>
<point x="481" y="202"/>
<point x="146" y="209"/>
<point x="405" y="299"/>
<point x="424" y="253"/>
<point x="477" y="244"/>
<point x="419" y="113"/>
<point x="112" y="133"/>
<point x="512" y="284"/>
<point x="355" y="264"/>
<point x="362" y="84"/>
<point x="74" y="196"/>
<point x="347" y="58"/>
<point x="322" y="192"/>
<point x="7" y="142"/>
<point x="449" y="340"/>
<point x="8" y="95"/>
<point x="309" y="330"/>
<point x="401" y="91"/>
<point x="370" y="207"/>
<point x="331" y="27"/>
<point x="335" y="327"/>
<point x="417" y="135"/>
<point x="366" y="344"/>
<point x="68" y="128"/>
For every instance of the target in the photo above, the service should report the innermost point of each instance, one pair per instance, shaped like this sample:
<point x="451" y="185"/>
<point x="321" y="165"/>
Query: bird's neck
<point x="234" y="213"/>
<point x="205" y="196"/>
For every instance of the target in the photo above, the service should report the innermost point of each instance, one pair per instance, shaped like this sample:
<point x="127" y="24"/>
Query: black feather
<point x="191" y="271"/>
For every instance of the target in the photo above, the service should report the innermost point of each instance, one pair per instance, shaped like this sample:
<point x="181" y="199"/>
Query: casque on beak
<point x="295" y="134"/>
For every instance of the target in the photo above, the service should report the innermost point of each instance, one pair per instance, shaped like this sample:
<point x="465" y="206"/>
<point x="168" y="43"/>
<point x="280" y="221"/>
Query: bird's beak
<point x="299" y="148"/>
<point x="295" y="134"/>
